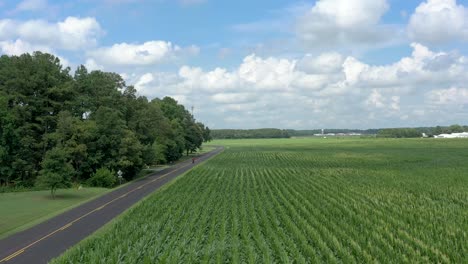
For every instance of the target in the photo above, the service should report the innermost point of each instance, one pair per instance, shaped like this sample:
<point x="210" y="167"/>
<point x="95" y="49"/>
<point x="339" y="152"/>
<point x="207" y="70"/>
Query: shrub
<point x="103" y="178"/>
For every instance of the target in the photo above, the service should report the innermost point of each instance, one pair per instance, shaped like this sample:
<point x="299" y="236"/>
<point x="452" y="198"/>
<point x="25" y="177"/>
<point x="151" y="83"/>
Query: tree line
<point x="249" y="133"/>
<point x="418" y="131"/>
<point x="311" y="132"/>
<point x="378" y="132"/>
<point x="57" y="128"/>
<point x="399" y="133"/>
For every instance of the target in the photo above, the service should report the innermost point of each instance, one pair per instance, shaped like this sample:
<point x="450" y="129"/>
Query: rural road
<point x="51" y="238"/>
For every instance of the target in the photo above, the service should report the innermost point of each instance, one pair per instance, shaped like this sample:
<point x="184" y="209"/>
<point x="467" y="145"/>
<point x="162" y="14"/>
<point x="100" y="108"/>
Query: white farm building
<point x="453" y="135"/>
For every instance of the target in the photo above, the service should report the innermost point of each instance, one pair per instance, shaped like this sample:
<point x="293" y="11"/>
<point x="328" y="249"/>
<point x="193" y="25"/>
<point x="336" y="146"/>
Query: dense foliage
<point x="102" y="178"/>
<point x="56" y="127"/>
<point x="399" y="133"/>
<point x="417" y="132"/>
<point x="249" y="133"/>
<point x="431" y="131"/>
<point x="302" y="201"/>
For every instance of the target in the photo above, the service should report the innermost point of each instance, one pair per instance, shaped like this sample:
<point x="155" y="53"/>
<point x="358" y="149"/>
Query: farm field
<point x="301" y="200"/>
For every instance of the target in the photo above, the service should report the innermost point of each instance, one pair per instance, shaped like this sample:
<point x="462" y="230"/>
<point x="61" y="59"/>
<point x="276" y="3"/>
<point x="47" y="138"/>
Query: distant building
<point x="338" y="134"/>
<point x="453" y="135"/>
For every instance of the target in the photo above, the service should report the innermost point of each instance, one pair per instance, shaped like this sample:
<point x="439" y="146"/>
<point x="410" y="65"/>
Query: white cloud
<point x="73" y="33"/>
<point x="351" y="13"/>
<point x="148" y="53"/>
<point x="423" y="66"/>
<point x="144" y="80"/>
<point x="334" y="22"/>
<point x="353" y="70"/>
<point x="322" y="90"/>
<point x="323" y="74"/>
<point x="439" y="21"/>
<point x="375" y="99"/>
<point x="218" y="79"/>
<point x="19" y="47"/>
<point x="395" y="103"/>
<point x="231" y="98"/>
<point x="267" y="74"/>
<point x="325" y="63"/>
<point x="91" y="65"/>
<point x="133" y="54"/>
<point x="78" y="32"/>
<point x="452" y="96"/>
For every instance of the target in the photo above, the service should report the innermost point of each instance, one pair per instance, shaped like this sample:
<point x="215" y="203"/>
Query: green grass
<point x="22" y="210"/>
<point x="301" y="200"/>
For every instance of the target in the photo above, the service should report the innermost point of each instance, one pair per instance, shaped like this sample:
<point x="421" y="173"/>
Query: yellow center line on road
<point x="13" y="255"/>
<point x="66" y="226"/>
<point x="19" y="252"/>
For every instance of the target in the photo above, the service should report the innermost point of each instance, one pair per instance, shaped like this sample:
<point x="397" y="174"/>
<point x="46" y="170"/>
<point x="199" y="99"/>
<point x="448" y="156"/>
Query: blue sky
<point x="277" y="63"/>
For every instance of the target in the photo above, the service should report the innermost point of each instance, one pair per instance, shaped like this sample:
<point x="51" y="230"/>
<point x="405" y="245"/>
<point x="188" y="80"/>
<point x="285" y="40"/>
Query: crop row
<point x="300" y="203"/>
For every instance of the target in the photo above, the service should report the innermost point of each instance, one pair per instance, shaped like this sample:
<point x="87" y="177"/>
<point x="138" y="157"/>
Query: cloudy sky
<point x="266" y="63"/>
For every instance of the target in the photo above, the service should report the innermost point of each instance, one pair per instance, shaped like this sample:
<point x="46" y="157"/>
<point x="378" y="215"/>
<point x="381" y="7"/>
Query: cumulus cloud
<point x="375" y="99"/>
<point x="328" y="89"/>
<point x="73" y="33"/>
<point x="379" y="101"/>
<point x="147" y="53"/>
<point x="267" y="74"/>
<point x="134" y="54"/>
<point x="324" y="63"/>
<point x="421" y="67"/>
<point x="333" y="22"/>
<point x="218" y="79"/>
<point x="451" y="96"/>
<point x="92" y="65"/>
<point x="19" y="47"/>
<point x="233" y="98"/>
<point x="439" y="21"/>
<point x="144" y="80"/>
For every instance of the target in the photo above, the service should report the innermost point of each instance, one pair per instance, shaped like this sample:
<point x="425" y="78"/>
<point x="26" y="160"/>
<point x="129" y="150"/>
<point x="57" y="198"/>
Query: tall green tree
<point x="57" y="171"/>
<point x="53" y="123"/>
<point x="32" y="88"/>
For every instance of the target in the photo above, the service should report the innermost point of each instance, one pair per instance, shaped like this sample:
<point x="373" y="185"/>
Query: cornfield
<point x="301" y="201"/>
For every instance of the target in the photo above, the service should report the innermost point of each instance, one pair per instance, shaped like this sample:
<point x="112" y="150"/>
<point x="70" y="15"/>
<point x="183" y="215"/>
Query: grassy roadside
<point x="22" y="210"/>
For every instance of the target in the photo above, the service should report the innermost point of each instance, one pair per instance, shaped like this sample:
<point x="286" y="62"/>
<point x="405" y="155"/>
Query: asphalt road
<point x="49" y="239"/>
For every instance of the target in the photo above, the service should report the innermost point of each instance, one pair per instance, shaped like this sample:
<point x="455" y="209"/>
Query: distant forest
<point x="418" y="131"/>
<point x="382" y="132"/>
<point x="301" y="133"/>
<point x="57" y="128"/>
<point x="249" y="133"/>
